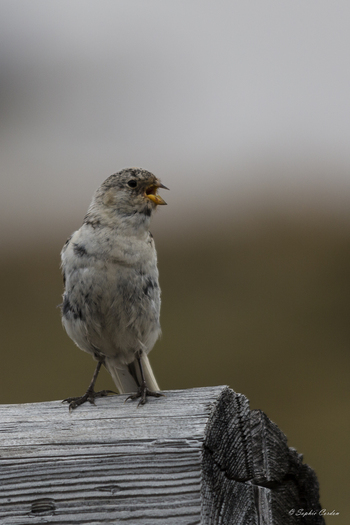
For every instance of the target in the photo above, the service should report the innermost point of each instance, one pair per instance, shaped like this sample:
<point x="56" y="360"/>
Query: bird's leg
<point x="90" y="395"/>
<point x="143" y="390"/>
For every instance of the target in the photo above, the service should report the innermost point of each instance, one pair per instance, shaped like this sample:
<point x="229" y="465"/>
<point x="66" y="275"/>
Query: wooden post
<point x="197" y="456"/>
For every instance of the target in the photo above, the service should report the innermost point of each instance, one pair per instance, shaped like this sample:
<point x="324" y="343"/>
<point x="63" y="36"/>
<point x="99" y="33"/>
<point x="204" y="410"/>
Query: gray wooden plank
<point x="108" y="463"/>
<point x="194" y="456"/>
<point x="184" y="413"/>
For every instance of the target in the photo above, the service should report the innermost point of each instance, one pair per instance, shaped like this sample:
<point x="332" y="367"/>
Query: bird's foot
<point x="90" y="395"/>
<point x="142" y="393"/>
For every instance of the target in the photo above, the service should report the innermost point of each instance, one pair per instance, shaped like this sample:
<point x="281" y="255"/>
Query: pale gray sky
<point x="228" y="102"/>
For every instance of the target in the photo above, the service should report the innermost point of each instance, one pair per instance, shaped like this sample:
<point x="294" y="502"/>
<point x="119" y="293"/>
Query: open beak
<point x="151" y="193"/>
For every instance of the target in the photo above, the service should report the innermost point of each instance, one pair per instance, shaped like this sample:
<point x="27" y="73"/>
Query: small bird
<point x="111" y="301"/>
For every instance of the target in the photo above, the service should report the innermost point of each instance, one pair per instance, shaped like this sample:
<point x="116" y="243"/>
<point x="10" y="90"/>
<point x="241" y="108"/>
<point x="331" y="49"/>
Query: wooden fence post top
<point x="194" y="456"/>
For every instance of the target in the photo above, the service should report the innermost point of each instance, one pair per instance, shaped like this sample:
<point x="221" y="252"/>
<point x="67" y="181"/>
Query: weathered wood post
<point x="196" y="456"/>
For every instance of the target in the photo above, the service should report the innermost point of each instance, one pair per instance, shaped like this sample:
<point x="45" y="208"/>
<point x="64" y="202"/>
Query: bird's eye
<point x="132" y="183"/>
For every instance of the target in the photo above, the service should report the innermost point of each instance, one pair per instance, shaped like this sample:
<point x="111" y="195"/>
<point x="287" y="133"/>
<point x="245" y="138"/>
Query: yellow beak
<point x="151" y="193"/>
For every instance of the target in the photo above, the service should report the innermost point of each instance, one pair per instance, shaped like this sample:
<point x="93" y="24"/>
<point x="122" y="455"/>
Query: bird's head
<point x="130" y="195"/>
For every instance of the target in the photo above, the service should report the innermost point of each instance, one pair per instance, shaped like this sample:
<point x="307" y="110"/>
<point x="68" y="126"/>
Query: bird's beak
<point x="151" y="193"/>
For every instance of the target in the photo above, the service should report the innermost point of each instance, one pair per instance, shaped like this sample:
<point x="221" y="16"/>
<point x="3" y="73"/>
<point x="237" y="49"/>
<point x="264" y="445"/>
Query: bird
<point x="111" y="300"/>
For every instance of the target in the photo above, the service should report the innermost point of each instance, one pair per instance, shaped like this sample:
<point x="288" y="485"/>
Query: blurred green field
<point x="264" y="309"/>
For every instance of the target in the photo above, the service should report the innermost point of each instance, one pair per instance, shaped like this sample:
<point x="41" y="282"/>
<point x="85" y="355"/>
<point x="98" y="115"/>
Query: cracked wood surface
<point x="197" y="456"/>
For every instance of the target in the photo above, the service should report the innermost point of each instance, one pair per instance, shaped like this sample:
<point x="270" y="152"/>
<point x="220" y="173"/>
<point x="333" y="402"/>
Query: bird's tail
<point x="127" y="378"/>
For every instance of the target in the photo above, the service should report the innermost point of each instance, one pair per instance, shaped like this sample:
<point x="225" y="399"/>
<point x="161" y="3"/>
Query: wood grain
<point x="197" y="456"/>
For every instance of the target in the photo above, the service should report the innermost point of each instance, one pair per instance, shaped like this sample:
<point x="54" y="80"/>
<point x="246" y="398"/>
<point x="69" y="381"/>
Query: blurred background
<point x="242" y="109"/>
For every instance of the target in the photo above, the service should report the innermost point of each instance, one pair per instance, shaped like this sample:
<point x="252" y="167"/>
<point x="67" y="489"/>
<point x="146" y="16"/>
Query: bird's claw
<point x="142" y="393"/>
<point x="90" y="395"/>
